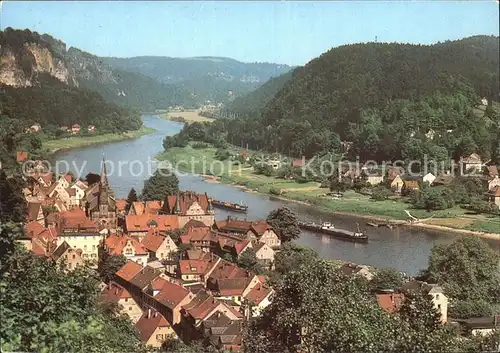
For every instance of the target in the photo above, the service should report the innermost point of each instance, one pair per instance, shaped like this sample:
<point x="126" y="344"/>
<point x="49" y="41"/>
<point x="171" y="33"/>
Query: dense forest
<point x="386" y="99"/>
<point x="52" y="104"/>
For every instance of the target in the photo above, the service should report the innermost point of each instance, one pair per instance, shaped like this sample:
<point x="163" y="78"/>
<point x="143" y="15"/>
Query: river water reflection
<point x="405" y="249"/>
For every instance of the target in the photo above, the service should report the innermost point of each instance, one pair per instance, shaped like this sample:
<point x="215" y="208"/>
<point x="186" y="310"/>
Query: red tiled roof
<point x="114" y="292"/>
<point x="260" y="227"/>
<point x="143" y="222"/>
<point x="201" y="306"/>
<point x="138" y="207"/>
<point x="390" y="302"/>
<point x="21" y="156"/>
<point x="153" y="240"/>
<point x="129" y="270"/>
<point x="120" y="205"/>
<point x="190" y="267"/>
<point x="196" y="234"/>
<point x="227" y="270"/>
<point x="33" y="210"/>
<point x="33" y="229"/>
<point x="236" y="225"/>
<point x="149" y="322"/>
<point x="193" y="223"/>
<point x="185" y="200"/>
<point x="262" y="279"/>
<point x="68" y="177"/>
<point x="116" y="244"/>
<point x="171" y="294"/>
<point x="71" y="191"/>
<point x="46" y="177"/>
<point x="298" y="163"/>
<point x="492" y="171"/>
<point x="258" y="294"/>
<point x="232" y="286"/>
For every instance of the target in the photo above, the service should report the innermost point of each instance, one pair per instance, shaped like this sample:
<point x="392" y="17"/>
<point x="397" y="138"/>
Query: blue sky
<point x="281" y="31"/>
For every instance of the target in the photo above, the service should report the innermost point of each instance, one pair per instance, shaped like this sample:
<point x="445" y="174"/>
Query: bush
<point x="263" y="169"/>
<point x="200" y="145"/>
<point x="274" y="191"/>
<point x="222" y="154"/>
<point x="381" y="193"/>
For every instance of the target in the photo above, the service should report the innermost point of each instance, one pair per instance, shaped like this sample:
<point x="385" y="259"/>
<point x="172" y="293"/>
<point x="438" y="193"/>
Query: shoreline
<point x="396" y="222"/>
<point x="86" y="141"/>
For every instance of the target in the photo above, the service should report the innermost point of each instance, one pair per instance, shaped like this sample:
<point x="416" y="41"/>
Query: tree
<point x="249" y="260"/>
<point x="434" y="198"/>
<point x="131" y="198"/>
<point x="57" y="311"/>
<point x="381" y="193"/>
<point x="162" y="184"/>
<point x="387" y="278"/>
<point x="108" y="265"/>
<point x="337" y="185"/>
<point x="467" y="269"/>
<point x="92" y="178"/>
<point x="12" y="203"/>
<point x="285" y="223"/>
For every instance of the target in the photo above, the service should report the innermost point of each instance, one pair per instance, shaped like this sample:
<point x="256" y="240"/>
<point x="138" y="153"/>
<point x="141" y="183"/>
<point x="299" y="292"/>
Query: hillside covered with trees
<point x="386" y="99"/>
<point x="26" y="54"/>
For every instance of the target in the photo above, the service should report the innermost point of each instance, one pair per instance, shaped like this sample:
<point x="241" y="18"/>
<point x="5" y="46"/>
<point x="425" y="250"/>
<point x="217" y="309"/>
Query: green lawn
<point x="81" y="141"/>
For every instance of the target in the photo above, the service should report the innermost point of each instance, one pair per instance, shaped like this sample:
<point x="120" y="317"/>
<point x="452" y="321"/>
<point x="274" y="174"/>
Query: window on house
<point x="85" y="256"/>
<point x="129" y="308"/>
<point x="74" y="256"/>
<point x="85" y="247"/>
<point x="126" y="299"/>
<point x="439" y="306"/>
<point x="159" y="337"/>
<point x="93" y="247"/>
<point x="437" y="296"/>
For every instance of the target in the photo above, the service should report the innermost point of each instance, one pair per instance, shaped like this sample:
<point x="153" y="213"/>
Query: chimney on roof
<point x="156" y="314"/>
<point x="149" y="313"/>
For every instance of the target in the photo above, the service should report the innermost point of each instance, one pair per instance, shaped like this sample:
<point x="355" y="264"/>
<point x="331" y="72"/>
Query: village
<point x="181" y="279"/>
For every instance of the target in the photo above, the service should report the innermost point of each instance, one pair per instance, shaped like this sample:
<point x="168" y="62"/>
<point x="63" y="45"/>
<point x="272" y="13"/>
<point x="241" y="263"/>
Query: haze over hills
<point x="208" y="78"/>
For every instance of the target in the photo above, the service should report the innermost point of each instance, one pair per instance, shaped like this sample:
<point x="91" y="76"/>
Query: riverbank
<point x="52" y="146"/>
<point x="189" y="116"/>
<point x="454" y="220"/>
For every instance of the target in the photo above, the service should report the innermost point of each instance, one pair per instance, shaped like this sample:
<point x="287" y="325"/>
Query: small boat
<point x="371" y="224"/>
<point x="237" y="207"/>
<point x="328" y="228"/>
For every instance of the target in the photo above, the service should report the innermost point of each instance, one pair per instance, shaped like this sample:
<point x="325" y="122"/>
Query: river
<point x="403" y="248"/>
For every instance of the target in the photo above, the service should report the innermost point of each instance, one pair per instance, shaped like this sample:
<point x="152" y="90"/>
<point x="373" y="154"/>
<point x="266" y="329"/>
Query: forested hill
<point x="208" y="78"/>
<point x="256" y="100"/>
<point x="26" y="54"/>
<point x="381" y="96"/>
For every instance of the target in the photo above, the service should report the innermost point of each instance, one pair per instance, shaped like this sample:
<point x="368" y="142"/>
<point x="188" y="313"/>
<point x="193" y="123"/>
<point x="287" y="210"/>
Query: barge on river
<point x="236" y="207"/>
<point x="329" y="229"/>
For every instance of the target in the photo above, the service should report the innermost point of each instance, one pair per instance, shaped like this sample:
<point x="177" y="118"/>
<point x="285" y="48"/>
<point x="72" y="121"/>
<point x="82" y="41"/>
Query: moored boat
<point x="328" y="228"/>
<point x="237" y="207"/>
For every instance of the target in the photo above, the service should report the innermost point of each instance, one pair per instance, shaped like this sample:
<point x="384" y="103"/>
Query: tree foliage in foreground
<point x="47" y="310"/>
<point x="285" y="223"/>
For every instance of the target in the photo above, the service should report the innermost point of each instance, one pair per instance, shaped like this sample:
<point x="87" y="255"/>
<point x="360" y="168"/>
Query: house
<point x="298" y="163"/>
<point x="411" y="185"/>
<point x="428" y="178"/>
<point x="274" y="163"/>
<point x="443" y="179"/>
<point x="483" y="326"/>
<point x="115" y="293"/>
<point x="70" y="257"/>
<point x="393" y="172"/>
<point x="233" y="247"/>
<point x="127" y="246"/>
<point x="79" y="193"/>
<point x="263" y="252"/>
<point x="43" y="178"/>
<point x="233" y="225"/>
<point x="484" y="101"/>
<point x="77" y="230"/>
<point x="128" y="271"/>
<point x="397" y="184"/>
<point x="154" y="329"/>
<point x="373" y="178"/>
<point x="471" y="163"/>
<point x="352" y="269"/>
<point x="34" y="128"/>
<point x="439" y="300"/>
<point x="263" y="232"/>
<point x="244" y="156"/>
<point x="491" y="171"/>
<point x="91" y="128"/>
<point x="494" y="196"/>
<point x="170" y="297"/>
<point x="258" y="298"/>
<point x="21" y="156"/>
<point x="139" y="226"/>
<point x="390" y="302"/>
<point x="490" y="183"/>
<point x="223" y="333"/>
<point x="197" y="270"/>
<point x="64" y="128"/>
<point x="188" y="206"/>
<point x="202" y="238"/>
<point x="75" y="129"/>
<point x="159" y="244"/>
<point x="35" y="213"/>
